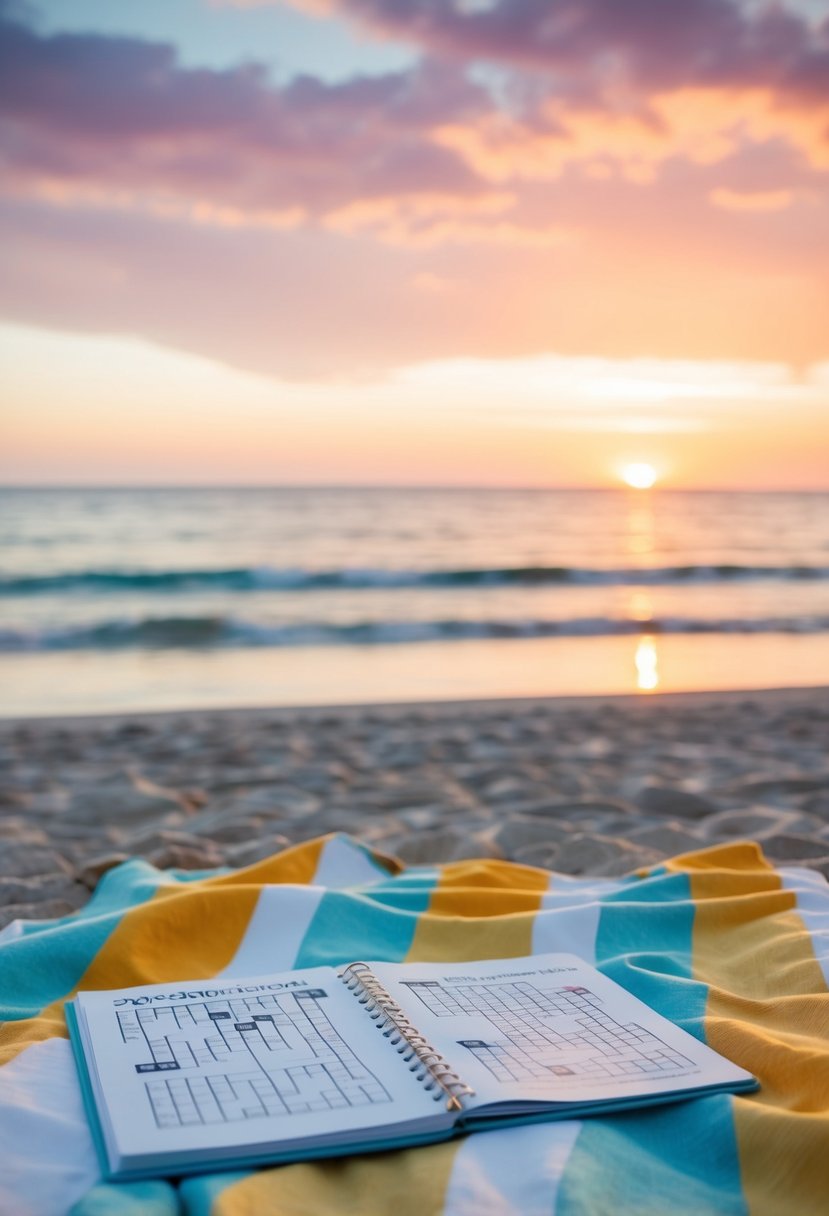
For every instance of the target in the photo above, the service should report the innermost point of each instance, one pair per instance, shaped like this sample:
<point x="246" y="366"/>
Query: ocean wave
<point x="218" y="632"/>
<point x="266" y="578"/>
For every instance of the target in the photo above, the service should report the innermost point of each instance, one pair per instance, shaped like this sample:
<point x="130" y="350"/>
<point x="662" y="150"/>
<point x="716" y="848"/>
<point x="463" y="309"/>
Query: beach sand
<point x="599" y="785"/>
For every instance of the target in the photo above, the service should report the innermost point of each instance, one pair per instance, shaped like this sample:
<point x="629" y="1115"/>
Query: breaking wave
<point x="266" y="578"/>
<point x="212" y="632"/>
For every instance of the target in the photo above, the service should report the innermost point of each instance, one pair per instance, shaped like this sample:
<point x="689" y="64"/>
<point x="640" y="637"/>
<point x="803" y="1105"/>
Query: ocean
<point x="129" y="599"/>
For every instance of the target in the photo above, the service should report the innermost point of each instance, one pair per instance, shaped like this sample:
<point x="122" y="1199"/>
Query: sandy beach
<point x="582" y="785"/>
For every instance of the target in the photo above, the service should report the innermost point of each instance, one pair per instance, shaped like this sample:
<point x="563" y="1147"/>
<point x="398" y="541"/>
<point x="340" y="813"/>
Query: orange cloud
<point x="702" y="126"/>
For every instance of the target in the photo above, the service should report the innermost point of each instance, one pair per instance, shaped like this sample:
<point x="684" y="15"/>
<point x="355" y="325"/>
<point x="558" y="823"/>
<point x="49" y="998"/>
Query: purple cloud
<point x="653" y="43"/>
<point x="125" y="112"/>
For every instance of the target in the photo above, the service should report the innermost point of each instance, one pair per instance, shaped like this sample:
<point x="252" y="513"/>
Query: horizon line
<point x="111" y="487"/>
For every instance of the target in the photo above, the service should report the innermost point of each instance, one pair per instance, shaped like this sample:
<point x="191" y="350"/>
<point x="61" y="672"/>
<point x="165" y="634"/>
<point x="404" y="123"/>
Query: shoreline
<point x="626" y="700"/>
<point x="600" y="785"/>
<point x="54" y="684"/>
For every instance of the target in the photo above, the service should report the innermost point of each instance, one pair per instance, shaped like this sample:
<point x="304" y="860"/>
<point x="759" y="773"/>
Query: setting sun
<point x="639" y="476"/>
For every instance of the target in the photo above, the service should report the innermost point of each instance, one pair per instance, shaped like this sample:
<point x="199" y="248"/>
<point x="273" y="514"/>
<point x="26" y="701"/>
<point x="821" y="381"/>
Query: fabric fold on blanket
<point x="729" y="946"/>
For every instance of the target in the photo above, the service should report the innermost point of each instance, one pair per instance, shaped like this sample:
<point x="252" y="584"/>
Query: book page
<point x="549" y="1028"/>
<point x="231" y="1063"/>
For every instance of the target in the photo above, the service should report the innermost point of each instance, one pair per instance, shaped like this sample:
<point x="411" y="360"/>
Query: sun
<point x="639" y="476"/>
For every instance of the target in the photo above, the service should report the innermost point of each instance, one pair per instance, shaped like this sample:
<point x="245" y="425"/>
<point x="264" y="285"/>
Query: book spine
<point x="429" y="1065"/>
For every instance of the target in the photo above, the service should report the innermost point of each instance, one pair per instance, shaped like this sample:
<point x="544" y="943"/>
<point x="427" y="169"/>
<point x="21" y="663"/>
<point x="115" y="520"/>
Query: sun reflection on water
<point x="647" y="665"/>
<point x="640" y="530"/>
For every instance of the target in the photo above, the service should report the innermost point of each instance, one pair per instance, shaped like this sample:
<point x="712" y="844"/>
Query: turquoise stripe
<point x="129" y="1199"/>
<point x="681" y="1158"/>
<point x="50" y="957"/>
<point x="644" y="943"/>
<point x="123" y="886"/>
<point x="409" y="892"/>
<point x="350" y="925"/>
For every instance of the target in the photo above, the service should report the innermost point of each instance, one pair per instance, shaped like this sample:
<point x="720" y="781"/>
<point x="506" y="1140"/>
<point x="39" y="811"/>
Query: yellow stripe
<point x="479" y="909"/>
<point x="740" y="857"/>
<point x="750" y="946"/>
<point x="410" y="1182"/>
<point x="487" y="888"/>
<point x="16" y="1036"/>
<point x="784" y="1162"/>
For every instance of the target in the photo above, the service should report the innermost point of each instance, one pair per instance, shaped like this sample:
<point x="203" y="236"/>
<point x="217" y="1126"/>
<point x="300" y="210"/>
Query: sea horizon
<point x="659" y="490"/>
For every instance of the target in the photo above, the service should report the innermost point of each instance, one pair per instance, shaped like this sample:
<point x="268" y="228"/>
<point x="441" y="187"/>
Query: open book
<point x="324" y="1061"/>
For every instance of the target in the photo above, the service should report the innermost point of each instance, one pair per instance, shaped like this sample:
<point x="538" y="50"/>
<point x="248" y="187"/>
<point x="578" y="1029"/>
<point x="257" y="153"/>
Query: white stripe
<point x="49" y="1159"/>
<point x="345" y="864"/>
<point x="568" y="919"/>
<point x="565" y="889"/>
<point x="514" y="1171"/>
<point x="276" y="930"/>
<point x="13" y="930"/>
<point x="811" y="891"/>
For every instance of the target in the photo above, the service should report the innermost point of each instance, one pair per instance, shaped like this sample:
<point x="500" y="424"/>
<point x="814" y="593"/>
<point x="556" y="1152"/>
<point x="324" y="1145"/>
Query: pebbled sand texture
<point x="589" y="785"/>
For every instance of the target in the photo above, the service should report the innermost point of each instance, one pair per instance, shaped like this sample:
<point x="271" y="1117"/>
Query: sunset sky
<point x="492" y="242"/>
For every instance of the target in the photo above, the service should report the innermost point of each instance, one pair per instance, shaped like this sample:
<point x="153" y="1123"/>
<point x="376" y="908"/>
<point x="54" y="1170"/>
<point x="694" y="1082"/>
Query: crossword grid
<point x="245" y="1058"/>
<point x="562" y="1031"/>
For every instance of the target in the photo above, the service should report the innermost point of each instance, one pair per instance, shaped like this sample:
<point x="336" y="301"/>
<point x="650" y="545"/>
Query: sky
<point x="488" y="242"/>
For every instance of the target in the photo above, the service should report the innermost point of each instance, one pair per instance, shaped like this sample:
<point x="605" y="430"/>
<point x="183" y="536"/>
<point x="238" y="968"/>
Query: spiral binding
<point x="396" y="1027"/>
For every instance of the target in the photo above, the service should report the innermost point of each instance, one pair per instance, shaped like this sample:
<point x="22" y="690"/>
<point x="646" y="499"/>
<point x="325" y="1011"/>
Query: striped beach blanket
<point x="731" y="947"/>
